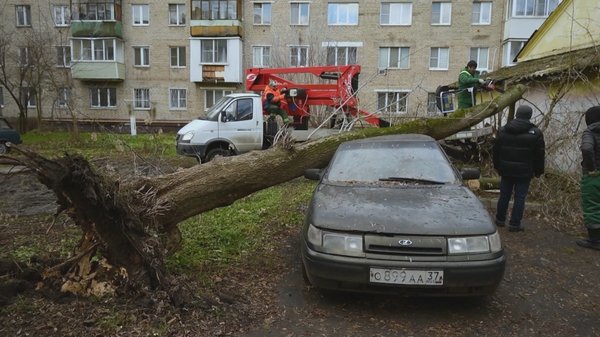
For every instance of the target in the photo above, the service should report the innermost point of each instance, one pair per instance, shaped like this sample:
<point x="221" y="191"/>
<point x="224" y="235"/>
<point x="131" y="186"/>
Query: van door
<point x="241" y="126"/>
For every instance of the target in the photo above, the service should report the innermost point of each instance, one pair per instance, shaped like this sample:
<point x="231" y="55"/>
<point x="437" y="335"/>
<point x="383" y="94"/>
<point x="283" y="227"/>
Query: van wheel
<point x="217" y="152"/>
<point x="3" y="148"/>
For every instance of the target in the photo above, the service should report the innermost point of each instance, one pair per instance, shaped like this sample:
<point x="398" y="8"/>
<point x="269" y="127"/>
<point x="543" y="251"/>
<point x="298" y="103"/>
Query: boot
<point x="593" y="240"/>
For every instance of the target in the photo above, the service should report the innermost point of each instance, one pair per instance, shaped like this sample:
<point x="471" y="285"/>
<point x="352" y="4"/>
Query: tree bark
<point x="126" y="219"/>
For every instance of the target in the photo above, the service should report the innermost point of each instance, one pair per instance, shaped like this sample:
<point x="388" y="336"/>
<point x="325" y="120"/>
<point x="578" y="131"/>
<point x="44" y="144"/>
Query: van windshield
<point x="212" y="114"/>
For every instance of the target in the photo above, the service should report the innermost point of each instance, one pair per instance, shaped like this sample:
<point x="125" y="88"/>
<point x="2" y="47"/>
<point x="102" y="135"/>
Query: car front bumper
<point x="191" y="150"/>
<point x="461" y="278"/>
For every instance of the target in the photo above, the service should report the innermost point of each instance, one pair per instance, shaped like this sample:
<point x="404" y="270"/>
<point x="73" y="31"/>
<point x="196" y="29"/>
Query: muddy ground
<point x="550" y="288"/>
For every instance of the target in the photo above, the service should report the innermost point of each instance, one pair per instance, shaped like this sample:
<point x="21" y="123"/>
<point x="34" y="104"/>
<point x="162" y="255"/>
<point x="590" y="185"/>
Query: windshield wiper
<point x="412" y="180"/>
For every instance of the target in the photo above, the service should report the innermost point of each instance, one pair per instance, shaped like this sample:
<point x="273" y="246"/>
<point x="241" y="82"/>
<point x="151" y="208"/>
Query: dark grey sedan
<point x="391" y="214"/>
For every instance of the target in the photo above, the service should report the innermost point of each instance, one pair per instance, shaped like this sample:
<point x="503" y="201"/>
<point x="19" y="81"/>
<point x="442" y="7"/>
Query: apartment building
<point x="167" y="61"/>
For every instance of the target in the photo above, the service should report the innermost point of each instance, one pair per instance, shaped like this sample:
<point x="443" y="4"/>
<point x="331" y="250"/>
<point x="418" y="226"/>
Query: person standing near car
<point x="518" y="155"/>
<point x="590" y="178"/>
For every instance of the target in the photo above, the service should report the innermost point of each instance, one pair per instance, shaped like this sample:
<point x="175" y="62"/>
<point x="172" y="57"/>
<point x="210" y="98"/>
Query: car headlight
<point x="475" y="244"/>
<point x="187" y="136"/>
<point x="334" y="242"/>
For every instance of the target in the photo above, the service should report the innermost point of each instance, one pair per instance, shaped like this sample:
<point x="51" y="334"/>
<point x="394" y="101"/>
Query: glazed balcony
<point x="216" y="18"/>
<point x="96" y="18"/>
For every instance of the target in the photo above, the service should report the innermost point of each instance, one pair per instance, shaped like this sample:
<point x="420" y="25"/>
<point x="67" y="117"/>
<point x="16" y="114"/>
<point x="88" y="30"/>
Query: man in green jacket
<point x="468" y="82"/>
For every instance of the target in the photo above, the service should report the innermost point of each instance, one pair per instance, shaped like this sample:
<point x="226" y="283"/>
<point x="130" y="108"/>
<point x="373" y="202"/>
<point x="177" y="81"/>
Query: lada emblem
<point x="405" y="242"/>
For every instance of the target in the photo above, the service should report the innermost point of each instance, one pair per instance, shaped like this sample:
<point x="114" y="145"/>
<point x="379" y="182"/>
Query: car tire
<point x="219" y="151"/>
<point x="3" y="148"/>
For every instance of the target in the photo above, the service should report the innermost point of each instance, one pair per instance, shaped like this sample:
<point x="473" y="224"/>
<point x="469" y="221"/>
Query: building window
<point x="394" y="57"/>
<point x="177" y="99"/>
<point x="341" y="56"/>
<point x="141" y="15"/>
<point x="213" y="96"/>
<point x="141" y="56"/>
<point x="541" y="8"/>
<point x="441" y="13"/>
<point x="262" y="13"/>
<point x="393" y="102"/>
<point x="482" y="13"/>
<point x="299" y="56"/>
<point x="61" y="15"/>
<point x="396" y="14"/>
<point x="481" y="56"/>
<point x="94" y="49"/>
<point x="28" y="97"/>
<point x="23" y="15"/>
<point x="95" y="11"/>
<point x="63" y="97"/>
<point x="261" y="56"/>
<point x="511" y="50"/>
<point x="213" y="51"/>
<point x="177" y="57"/>
<point x="299" y="12"/>
<point x="23" y="56"/>
<point x="177" y="14"/>
<point x="214" y="10"/>
<point x="63" y="56"/>
<point x="432" y="103"/>
<point x="439" y="59"/>
<point x="141" y="99"/>
<point x="103" y="97"/>
<point x="342" y="14"/>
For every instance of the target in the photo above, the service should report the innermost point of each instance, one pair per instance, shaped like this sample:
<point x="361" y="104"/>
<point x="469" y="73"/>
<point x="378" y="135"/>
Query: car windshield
<point x="399" y="162"/>
<point x="212" y="114"/>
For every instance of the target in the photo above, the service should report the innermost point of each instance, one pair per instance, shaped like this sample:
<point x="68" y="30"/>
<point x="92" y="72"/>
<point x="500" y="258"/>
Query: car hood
<point x="419" y="210"/>
<point x="197" y="125"/>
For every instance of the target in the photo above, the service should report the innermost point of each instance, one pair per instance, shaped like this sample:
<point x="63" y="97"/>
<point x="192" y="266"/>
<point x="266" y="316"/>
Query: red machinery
<point x="339" y="95"/>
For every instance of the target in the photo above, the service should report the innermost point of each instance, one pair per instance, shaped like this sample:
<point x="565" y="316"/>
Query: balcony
<point x="216" y="28"/>
<point x="98" y="71"/>
<point x="92" y="18"/>
<point x="216" y="60"/>
<point x="216" y="18"/>
<point x="97" y="29"/>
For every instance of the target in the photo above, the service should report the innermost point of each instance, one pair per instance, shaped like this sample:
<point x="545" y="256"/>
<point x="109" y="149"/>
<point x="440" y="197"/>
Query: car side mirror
<point x="313" y="174"/>
<point x="223" y="116"/>
<point x="470" y="173"/>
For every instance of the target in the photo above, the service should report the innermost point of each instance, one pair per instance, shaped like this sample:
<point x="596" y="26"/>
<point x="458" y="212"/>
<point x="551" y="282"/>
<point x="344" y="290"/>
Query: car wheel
<point x="217" y="152"/>
<point x="3" y="148"/>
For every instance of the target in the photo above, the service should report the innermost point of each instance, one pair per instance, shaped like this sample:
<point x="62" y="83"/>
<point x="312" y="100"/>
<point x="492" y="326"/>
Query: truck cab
<point x="232" y="126"/>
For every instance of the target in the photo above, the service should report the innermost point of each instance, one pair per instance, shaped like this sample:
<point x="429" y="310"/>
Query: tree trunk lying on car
<point x="134" y="224"/>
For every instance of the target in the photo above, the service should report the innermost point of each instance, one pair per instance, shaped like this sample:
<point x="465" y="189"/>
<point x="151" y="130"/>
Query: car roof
<point x="407" y="137"/>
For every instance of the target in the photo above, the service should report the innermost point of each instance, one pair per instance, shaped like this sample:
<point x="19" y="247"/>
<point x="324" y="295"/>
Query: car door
<point x="241" y="125"/>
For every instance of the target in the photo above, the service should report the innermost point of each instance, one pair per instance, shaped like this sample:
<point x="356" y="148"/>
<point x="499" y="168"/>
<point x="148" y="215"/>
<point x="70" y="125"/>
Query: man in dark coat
<point x="590" y="178"/>
<point x="519" y="155"/>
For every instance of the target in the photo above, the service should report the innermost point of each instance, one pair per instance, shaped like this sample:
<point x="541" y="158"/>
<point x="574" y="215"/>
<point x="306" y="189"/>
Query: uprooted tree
<point x="133" y="225"/>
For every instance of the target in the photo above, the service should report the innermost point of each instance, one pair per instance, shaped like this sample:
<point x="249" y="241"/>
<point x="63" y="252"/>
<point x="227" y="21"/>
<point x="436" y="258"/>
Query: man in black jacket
<point x="519" y="155"/>
<point x="590" y="178"/>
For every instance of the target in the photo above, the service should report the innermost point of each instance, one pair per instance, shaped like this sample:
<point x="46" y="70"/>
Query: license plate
<point x="407" y="276"/>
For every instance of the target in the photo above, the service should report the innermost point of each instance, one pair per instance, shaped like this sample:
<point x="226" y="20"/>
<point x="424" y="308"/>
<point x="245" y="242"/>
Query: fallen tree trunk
<point x="133" y="224"/>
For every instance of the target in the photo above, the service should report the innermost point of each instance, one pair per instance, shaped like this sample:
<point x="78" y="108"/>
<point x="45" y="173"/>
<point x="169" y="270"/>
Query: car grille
<point x="406" y="245"/>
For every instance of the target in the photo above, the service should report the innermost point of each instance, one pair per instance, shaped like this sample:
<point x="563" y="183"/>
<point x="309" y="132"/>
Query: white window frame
<point x="482" y="13"/>
<point x="521" y="5"/>
<point x="143" y="54"/>
<point x="179" y="50"/>
<point x="141" y="99"/>
<point x="445" y="15"/>
<point x="510" y="52"/>
<point x="94" y="11"/>
<point x="213" y="51"/>
<point x="299" y="13"/>
<point x="261" y="56"/>
<point x="394" y="104"/>
<point x="63" y="56"/>
<point x="178" y="105"/>
<point x="395" y="14"/>
<point x="137" y="15"/>
<point x="98" y="91"/>
<point x="23" y="13"/>
<point x="31" y="96"/>
<point x="401" y="56"/>
<point x="179" y="13"/>
<point x="61" y="15"/>
<point x="297" y="53"/>
<point x="263" y="13"/>
<point x="345" y="50"/>
<point x="481" y="55"/>
<point x="214" y="95"/>
<point x="23" y="56"/>
<point x="439" y="53"/>
<point x="107" y="44"/>
<point x="342" y="14"/>
<point x="63" y="97"/>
